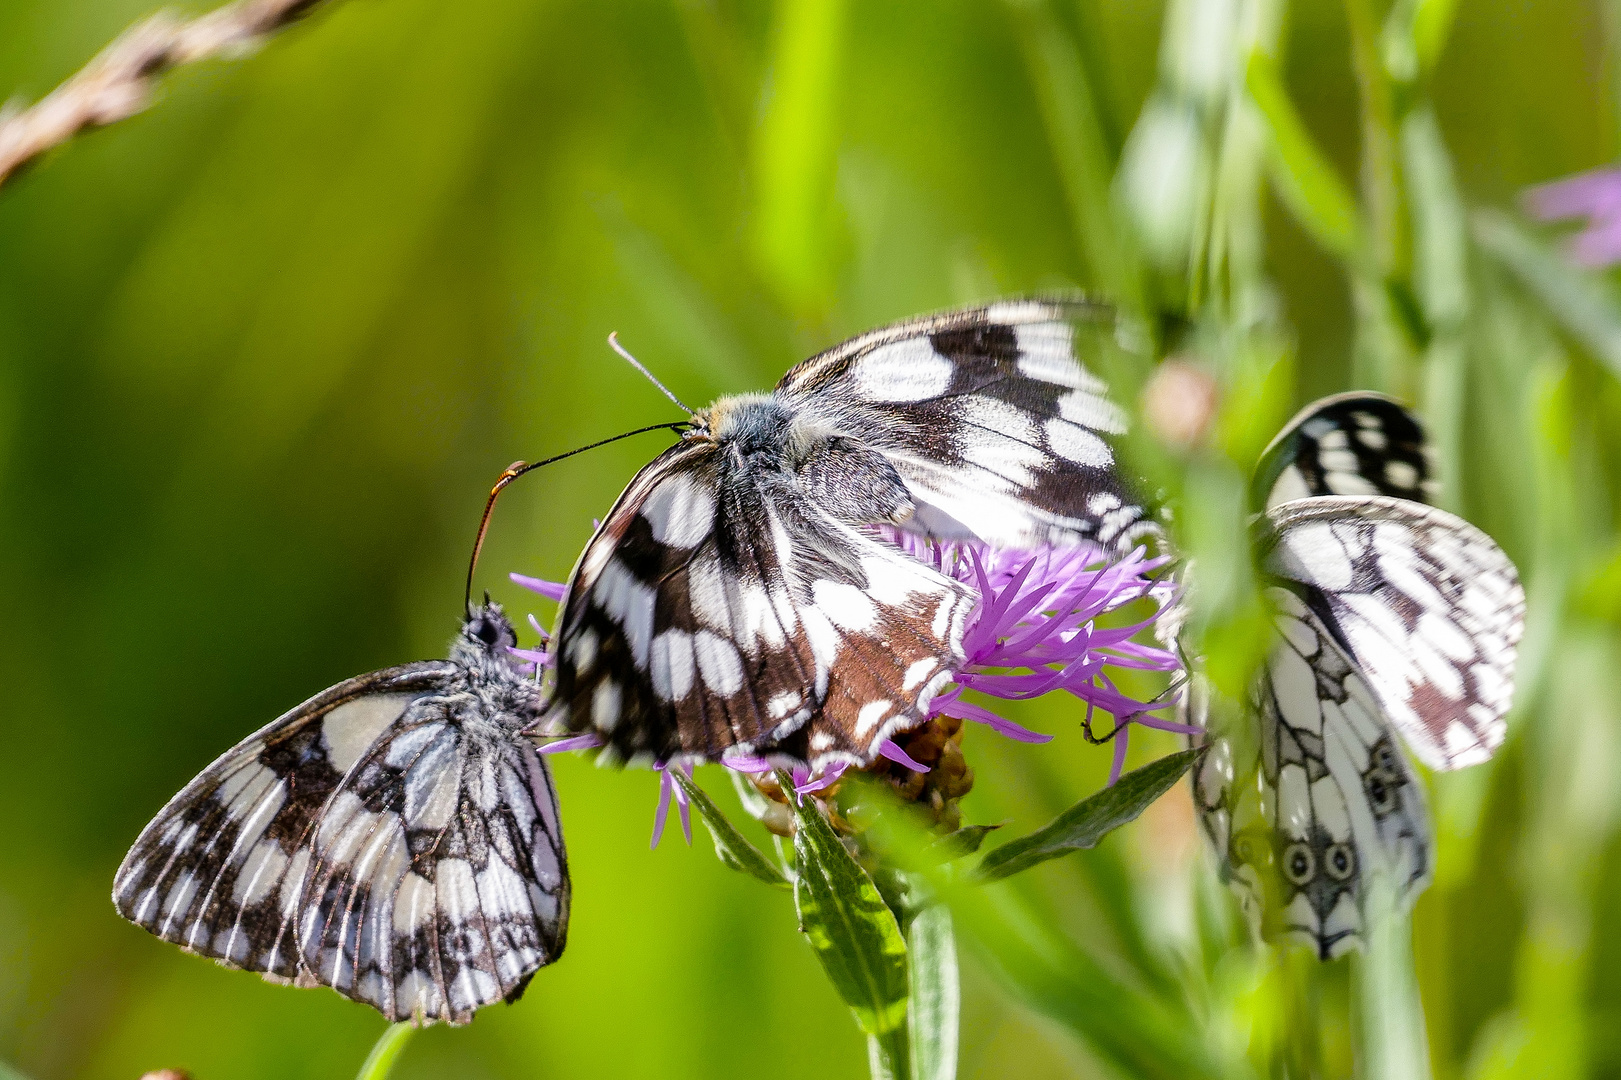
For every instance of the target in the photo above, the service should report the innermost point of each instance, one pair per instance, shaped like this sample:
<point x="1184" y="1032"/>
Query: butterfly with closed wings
<point x="1392" y="617"/>
<point x="393" y="837"/>
<point x="737" y="600"/>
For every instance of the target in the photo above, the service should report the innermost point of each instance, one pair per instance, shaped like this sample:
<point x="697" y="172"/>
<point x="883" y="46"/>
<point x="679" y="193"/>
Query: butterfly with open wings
<point x="737" y="602"/>
<point x="1392" y="617"/>
<point x="393" y="838"/>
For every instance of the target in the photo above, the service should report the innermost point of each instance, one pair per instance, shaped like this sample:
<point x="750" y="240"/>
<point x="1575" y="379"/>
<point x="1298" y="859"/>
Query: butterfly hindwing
<point x="438" y="882"/>
<point x="1304" y="805"/>
<point x="1428" y="606"/>
<point x="392" y="838"/>
<point x="219" y="870"/>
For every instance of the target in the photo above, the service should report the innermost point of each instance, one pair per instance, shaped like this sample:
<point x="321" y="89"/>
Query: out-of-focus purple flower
<point x="1594" y="195"/>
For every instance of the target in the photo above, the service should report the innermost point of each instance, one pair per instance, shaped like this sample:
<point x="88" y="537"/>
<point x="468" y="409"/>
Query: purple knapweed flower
<point x="1033" y="631"/>
<point x="667" y="788"/>
<point x="1594" y="195"/>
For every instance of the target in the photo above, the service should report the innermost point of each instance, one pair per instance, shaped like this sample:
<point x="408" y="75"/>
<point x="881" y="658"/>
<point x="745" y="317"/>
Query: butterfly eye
<point x="1299" y="865"/>
<point x="486" y="630"/>
<point x="1341" y="862"/>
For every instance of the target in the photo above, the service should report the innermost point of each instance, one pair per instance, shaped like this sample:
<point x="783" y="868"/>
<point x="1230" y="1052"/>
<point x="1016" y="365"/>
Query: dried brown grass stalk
<point x="119" y="82"/>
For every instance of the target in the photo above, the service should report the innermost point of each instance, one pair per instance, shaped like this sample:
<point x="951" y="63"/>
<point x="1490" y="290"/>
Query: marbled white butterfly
<point x="1392" y="617"/>
<point x="393" y="838"/>
<point x="736" y="601"/>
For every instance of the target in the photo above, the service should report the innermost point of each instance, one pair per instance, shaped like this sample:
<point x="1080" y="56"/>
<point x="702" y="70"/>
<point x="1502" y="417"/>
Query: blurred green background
<point x="264" y="347"/>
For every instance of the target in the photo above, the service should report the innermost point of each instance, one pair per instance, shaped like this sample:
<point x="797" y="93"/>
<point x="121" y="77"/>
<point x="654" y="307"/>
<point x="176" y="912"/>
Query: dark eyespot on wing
<point x="1302" y="807"/>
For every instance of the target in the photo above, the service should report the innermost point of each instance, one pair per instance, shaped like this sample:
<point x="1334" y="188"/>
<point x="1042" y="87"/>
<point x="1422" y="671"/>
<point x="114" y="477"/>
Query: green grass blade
<point x="380" y="1062"/>
<point x="1306" y="181"/>
<point x="1080" y="150"/>
<point x="1088" y="821"/>
<point x="1141" y="1035"/>
<point x="1392" y="1028"/>
<point x="796" y="149"/>
<point x="1584" y="304"/>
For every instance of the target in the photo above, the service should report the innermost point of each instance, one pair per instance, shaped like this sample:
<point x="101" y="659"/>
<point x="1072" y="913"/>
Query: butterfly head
<point x="761" y="424"/>
<point x="751" y="422"/>
<point x="486" y="630"/>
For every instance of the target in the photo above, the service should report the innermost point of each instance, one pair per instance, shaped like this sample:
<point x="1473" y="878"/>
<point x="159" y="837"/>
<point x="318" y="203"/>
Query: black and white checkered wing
<point x="384" y="838"/>
<point x="1305" y="805"/>
<point x="719" y="609"/>
<point x="1428" y="606"/>
<point x="992" y="418"/>
<point x="1357" y="443"/>
<point x="437" y="882"/>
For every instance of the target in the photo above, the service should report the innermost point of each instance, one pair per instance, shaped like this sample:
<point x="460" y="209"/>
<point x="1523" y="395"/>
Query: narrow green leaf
<point x="1431" y="25"/>
<point x="1090" y="820"/>
<point x="731" y="846"/>
<point x="1306" y="181"/>
<point x="1080" y="149"/>
<point x="1584" y="304"/>
<point x="1140" y="1034"/>
<point x="887" y="1055"/>
<point x="1392" y="1029"/>
<point x="852" y="930"/>
<point x="965" y="841"/>
<point x="386" y="1051"/>
<point x="936" y="997"/>
<point x="8" y="1073"/>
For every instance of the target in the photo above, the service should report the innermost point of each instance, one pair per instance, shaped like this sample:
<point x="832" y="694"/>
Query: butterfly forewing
<point x="1357" y="443"/>
<point x="220" y="867"/>
<point x="991" y="416"/>
<point x="1430" y="608"/>
<point x="720" y="608"/>
<point x="393" y="838"/>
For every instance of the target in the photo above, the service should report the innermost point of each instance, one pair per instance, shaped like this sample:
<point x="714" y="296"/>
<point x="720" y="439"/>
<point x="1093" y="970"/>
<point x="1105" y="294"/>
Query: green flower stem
<point x="386" y="1051"/>
<point x="889" y="1055"/>
<point x="1394" y="1045"/>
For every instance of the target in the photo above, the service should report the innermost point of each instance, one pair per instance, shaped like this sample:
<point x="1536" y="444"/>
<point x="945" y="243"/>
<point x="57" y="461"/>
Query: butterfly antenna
<point x="613" y="343"/>
<point x="517" y="469"/>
